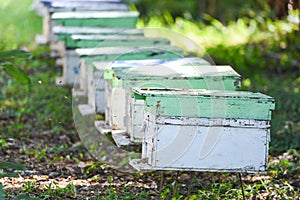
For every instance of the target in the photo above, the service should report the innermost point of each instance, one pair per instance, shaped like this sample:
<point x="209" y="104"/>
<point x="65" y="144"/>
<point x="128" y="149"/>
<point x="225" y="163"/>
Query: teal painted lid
<point x="206" y="103"/>
<point x="95" y="30"/>
<point x="121" y="50"/>
<point x="118" y="37"/>
<point x="171" y="71"/>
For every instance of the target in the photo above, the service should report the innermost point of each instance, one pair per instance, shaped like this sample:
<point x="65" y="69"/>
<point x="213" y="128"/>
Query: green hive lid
<point x="94" y="30"/>
<point x="110" y="67"/>
<point x="206" y="103"/>
<point x="175" y="72"/>
<point x="118" y="65"/>
<point x="93" y="15"/>
<point x="118" y="37"/>
<point x="125" y="50"/>
<point x="92" y="41"/>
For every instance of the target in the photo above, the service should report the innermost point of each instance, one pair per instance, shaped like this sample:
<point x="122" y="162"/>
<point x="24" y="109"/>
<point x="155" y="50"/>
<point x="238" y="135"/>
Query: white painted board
<point x="197" y="147"/>
<point x="93" y="14"/>
<point x="70" y="67"/>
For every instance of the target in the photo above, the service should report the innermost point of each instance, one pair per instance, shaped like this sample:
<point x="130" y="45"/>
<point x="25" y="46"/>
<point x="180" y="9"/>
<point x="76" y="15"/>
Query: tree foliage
<point x="224" y="11"/>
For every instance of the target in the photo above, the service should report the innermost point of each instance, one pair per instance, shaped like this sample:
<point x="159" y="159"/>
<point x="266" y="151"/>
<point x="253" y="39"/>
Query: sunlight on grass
<point x="238" y="32"/>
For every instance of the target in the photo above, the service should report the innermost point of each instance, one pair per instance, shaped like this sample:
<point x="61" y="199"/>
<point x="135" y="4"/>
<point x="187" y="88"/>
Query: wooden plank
<point x="143" y="166"/>
<point x="121" y="138"/>
<point x="102" y="127"/>
<point x="78" y="93"/>
<point x="86" y="110"/>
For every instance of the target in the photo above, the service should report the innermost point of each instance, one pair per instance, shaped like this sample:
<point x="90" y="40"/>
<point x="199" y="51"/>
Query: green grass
<point x="38" y="118"/>
<point x="14" y="17"/>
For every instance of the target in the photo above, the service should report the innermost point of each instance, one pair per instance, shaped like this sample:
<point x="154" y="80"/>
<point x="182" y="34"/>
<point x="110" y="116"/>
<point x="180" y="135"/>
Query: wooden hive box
<point x="116" y="108"/>
<point x="104" y="19"/>
<point x="50" y="7"/>
<point x="202" y="130"/>
<point x="169" y="75"/>
<point x="65" y="45"/>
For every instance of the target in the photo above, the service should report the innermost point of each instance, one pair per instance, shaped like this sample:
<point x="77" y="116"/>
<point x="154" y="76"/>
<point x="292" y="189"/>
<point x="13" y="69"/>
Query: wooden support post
<point x="175" y="184"/>
<point x="242" y="187"/>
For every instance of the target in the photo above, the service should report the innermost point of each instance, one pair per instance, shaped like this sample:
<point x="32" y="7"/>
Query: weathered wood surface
<point x="204" y="144"/>
<point x="207" y="103"/>
<point x="207" y="148"/>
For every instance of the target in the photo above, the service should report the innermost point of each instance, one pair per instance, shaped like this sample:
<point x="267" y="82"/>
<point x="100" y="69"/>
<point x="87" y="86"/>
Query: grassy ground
<point x="37" y="130"/>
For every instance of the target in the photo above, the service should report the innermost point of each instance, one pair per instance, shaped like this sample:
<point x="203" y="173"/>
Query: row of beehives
<point x="186" y="113"/>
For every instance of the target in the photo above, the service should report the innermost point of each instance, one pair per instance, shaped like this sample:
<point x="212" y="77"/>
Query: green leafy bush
<point x="7" y="62"/>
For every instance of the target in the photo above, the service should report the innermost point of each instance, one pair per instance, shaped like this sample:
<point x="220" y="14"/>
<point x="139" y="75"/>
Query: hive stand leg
<point x="189" y="183"/>
<point x="242" y="187"/>
<point x="175" y="184"/>
<point x="161" y="181"/>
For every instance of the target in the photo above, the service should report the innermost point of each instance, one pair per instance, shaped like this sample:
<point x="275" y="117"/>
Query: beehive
<point x="51" y="7"/>
<point x="203" y="130"/>
<point x="116" y="104"/>
<point x="172" y="75"/>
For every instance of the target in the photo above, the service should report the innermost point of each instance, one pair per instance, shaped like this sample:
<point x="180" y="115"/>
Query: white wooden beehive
<point x="186" y="76"/>
<point x="205" y="131"/>
<point x="119" y="106"/>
